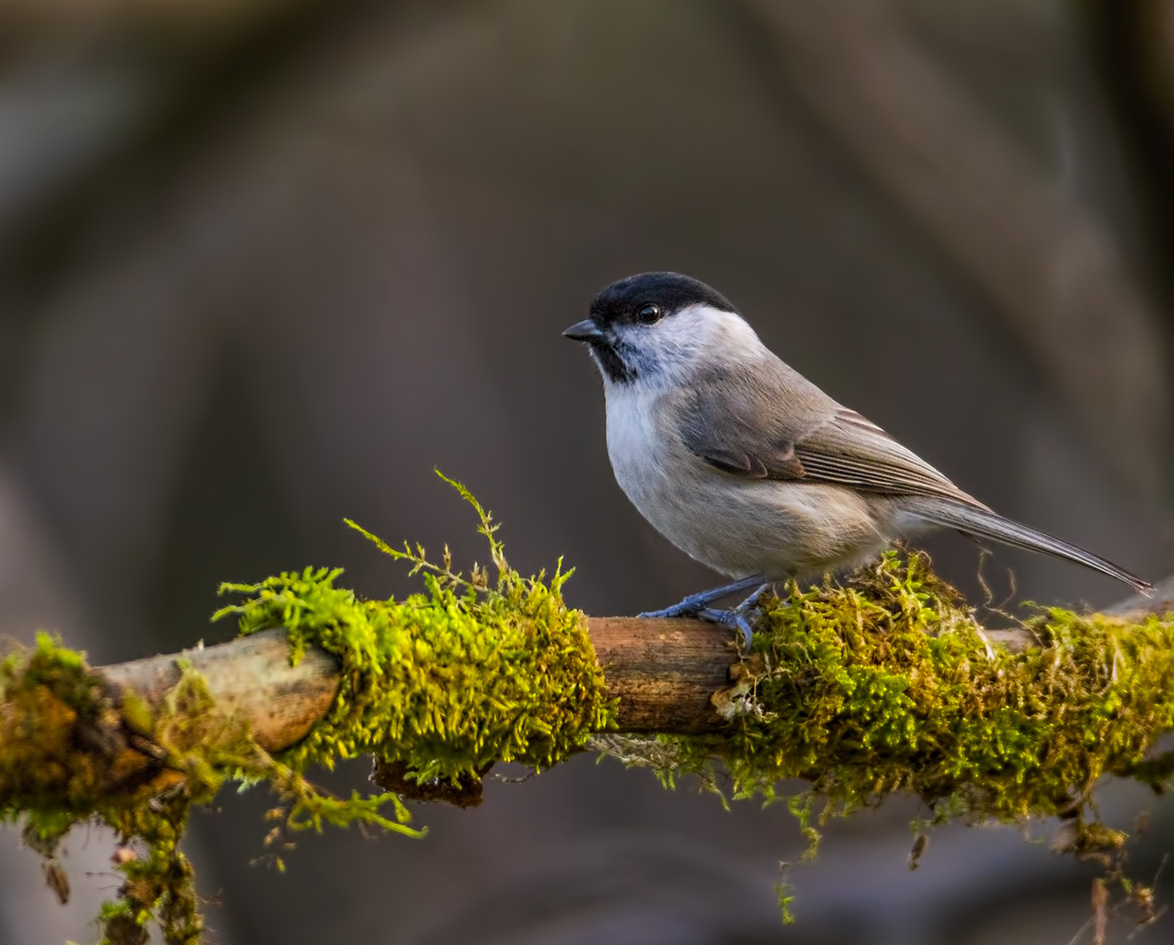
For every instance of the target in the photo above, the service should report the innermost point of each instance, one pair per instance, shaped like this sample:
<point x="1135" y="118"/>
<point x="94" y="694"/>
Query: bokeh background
<point x="264" y="265"/>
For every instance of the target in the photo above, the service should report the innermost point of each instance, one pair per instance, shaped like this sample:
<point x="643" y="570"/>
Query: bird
<point x="750" y="468"/>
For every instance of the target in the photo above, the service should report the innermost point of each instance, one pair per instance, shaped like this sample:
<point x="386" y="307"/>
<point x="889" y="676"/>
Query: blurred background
<point x="264" y="265"/>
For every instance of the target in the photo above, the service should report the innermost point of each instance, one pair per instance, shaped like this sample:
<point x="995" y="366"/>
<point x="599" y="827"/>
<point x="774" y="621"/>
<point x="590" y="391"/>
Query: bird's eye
<point x="648" y="314"/>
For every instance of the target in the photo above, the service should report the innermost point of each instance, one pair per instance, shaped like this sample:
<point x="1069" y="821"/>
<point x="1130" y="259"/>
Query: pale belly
<point x="737" y="526"/>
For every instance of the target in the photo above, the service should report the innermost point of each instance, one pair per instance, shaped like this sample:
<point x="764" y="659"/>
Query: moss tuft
<point x="448" y="682"/>
<point x="887" y="683"/>
<point x="71" y="746"/>
<point x="891" y="685"/>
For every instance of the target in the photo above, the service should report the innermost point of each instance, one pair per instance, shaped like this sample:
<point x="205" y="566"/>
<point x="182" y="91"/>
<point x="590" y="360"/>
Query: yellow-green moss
<point x="72" y="749"/>
<point x="890" y="684"/>
<point x="881" y="684"/>
<point x="66" y="738"/>
<point x="887" y="683"/>
<point x="447" y="682"/>
<point x="440" y="685"/>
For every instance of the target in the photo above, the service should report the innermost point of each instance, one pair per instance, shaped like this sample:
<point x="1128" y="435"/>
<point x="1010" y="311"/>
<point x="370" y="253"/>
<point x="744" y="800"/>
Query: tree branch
<point x="663" y="672"/>
<point x="885" y="684"/>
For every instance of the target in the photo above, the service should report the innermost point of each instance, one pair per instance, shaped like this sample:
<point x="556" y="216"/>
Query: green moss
<point x="891" y="685"/>
<point x="447" y="682"/>
<point x="66" y="736"/>
<point x="438" y="686"/>
<point x="883" y="684"/>
<point x="887" y="683"/>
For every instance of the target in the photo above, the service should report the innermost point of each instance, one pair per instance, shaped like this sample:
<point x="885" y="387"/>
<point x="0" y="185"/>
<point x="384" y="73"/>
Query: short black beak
<point x="586" y="330"/>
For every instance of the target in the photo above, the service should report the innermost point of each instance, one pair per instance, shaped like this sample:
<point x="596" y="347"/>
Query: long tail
<point x="987" y="524"/>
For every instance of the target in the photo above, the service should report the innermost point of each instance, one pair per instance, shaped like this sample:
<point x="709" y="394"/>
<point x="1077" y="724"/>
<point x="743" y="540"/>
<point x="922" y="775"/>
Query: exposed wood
<point x="250" y="677"/>
<point x="663" y="671"/>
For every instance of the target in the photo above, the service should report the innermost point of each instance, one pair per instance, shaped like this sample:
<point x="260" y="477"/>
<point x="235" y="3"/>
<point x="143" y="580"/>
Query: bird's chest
<point x="643" y="450"/>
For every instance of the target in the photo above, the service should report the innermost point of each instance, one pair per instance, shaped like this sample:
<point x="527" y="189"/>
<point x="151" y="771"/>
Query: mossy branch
<point x="885" y="682"/>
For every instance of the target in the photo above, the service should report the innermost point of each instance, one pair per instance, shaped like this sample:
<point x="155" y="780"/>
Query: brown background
<point x="263" y="266"/>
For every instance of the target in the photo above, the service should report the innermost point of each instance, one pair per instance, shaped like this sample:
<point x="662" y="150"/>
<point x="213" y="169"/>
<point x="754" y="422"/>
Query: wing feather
<point x="772" y="423"/>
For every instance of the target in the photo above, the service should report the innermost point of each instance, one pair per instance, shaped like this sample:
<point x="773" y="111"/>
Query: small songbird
<point x="747" y="466"/>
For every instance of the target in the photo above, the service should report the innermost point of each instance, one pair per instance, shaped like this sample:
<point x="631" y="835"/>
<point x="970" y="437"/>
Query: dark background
<point x="265" y="265"/>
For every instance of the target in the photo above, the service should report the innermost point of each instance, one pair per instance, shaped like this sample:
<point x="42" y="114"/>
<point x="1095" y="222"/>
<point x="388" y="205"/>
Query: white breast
<point x="636" y="446"/>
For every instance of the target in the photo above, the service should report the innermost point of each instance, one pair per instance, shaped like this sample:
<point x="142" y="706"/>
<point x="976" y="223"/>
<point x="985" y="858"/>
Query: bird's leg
<point x="751" y="602"/>
<point x="692" y="605"/>
<point x="697" y="605"/>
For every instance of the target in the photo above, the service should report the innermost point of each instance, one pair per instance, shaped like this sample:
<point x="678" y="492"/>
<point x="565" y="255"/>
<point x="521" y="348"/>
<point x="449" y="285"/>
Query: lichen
<point x="886" y="682"/>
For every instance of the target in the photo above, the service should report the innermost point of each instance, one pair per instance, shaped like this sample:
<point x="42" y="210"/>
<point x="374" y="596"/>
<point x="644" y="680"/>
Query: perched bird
<point x="746" y="465"/>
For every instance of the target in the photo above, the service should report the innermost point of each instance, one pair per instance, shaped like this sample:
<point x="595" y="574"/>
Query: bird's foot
<point x="732" y="620"/>
<point x="739" y="618"/>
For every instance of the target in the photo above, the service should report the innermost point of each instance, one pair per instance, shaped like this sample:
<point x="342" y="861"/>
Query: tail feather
<point x="984" y="523"/>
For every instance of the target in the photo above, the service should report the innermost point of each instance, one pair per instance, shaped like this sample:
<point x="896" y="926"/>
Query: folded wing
<point x="778" y="425"/>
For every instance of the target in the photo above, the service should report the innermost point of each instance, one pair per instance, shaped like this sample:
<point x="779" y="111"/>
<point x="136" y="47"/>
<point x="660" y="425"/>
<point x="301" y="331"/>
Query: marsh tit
<point x="747" y="466"/>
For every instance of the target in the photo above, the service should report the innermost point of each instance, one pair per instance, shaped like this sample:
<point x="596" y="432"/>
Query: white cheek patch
<point x="702" y="333"/>
<point x="719" y="330"/>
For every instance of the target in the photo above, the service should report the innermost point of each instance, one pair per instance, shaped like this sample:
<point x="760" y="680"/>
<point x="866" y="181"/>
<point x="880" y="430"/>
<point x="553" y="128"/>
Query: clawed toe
<point x="732" y="619"/>
<point x="685" y="608"/>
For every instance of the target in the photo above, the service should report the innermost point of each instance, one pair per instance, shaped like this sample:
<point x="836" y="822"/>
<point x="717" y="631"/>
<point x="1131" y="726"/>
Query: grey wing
<point x="775" y="424"/>
<point x="852" y="450"/>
